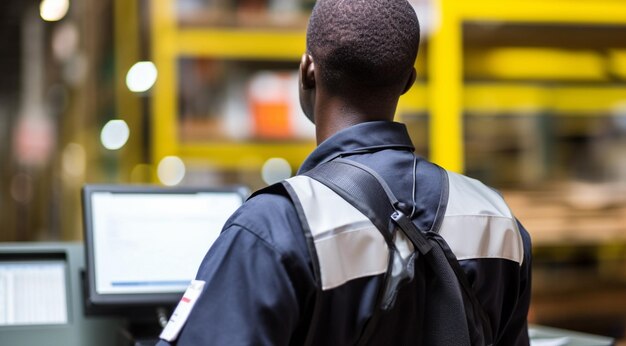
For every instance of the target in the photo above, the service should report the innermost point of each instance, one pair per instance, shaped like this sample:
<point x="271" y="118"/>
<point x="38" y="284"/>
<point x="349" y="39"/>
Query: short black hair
<point x="363" y="43"/>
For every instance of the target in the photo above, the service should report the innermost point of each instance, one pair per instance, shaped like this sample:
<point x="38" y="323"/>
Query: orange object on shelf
<point x="271" y="119"/>
<point x="270" y="105"/>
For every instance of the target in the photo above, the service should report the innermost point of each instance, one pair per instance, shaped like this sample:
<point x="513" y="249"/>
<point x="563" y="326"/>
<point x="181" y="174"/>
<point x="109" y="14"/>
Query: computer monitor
<point x="33" y="289"/>
<point x="41" y="301"/>
<point x="144" y="244"/>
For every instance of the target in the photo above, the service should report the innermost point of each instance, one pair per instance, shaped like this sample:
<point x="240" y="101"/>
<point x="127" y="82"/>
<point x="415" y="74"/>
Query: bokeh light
<point x="171" y="170"/>
<point x="53" y="10"/>
<point x="141" y="76"/>
<point x="275" y="170"/>
<point x="74" y="160"/>
<point x="114" y="134"/>
<point x="65" y="39"/>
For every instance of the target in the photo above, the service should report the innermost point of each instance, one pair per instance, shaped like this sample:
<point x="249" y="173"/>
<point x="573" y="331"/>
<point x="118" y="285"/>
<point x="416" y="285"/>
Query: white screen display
<point x="154" y="243"/>
<point x="33" y="293"/>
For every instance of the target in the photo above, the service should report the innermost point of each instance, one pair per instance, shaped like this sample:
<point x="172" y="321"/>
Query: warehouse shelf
<point x="443" y="94"/>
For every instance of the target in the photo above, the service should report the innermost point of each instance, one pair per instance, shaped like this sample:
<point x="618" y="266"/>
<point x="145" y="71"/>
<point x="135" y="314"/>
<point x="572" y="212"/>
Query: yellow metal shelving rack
<point x="445" y="55"/>
<point x="445" y="96"/>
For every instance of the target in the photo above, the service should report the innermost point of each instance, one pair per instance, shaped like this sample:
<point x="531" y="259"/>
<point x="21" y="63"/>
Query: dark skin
<point x="333" y="113"/>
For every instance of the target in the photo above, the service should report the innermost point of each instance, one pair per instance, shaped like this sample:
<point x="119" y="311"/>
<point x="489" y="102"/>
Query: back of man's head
<point x="363" y="44"/>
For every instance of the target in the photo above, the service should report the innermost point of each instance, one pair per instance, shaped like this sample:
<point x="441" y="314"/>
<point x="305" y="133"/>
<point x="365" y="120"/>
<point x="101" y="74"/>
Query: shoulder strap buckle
<point x="412" y="232"/>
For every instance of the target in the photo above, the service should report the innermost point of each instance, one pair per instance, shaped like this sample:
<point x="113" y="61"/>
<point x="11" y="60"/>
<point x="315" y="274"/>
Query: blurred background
<point x="529" y="96"/>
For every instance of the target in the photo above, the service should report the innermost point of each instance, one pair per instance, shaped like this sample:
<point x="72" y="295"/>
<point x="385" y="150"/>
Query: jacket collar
<point x="361" y="138"/>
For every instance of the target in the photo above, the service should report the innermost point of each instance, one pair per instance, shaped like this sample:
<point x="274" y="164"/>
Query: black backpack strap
<point x="360" y="186"/>
<point x="274" y="189"/>
<point x="472" y="305"/>
<point x="363" y="188"/>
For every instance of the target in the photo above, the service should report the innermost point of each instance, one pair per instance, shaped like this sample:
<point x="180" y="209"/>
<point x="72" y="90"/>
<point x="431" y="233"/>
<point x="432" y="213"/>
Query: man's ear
<point x="410" y="81"/>
<point x="307" y="72"/>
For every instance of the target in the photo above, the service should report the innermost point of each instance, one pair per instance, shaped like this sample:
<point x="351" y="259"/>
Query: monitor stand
<point x="142" y="324"/>
<point x="140" y="333"/>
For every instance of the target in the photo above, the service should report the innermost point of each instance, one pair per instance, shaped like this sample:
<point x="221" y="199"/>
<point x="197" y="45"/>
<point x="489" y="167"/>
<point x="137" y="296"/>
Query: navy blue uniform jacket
<point x="260" y="284"/>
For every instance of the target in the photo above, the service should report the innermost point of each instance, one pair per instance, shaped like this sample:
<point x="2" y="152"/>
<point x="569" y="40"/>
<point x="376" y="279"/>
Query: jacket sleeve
<point x="515" y="332"/>
<point x="248" y="298"/>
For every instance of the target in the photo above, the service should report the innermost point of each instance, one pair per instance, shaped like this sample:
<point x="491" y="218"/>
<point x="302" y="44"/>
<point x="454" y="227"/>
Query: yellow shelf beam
<point x="536" y="64"/>
<point x="494" y="99"/>
<point x="617" y="63"/>
<point x="521" y="100"/>
<point x="246" y="155"/>
<point x="241" y="44"/>
<point x="543" y="11"/>
<point x="128" y="105"/>
<point x="164" y="92"/>
<point x="588" y="100"/>
<point x="445" y="72"/>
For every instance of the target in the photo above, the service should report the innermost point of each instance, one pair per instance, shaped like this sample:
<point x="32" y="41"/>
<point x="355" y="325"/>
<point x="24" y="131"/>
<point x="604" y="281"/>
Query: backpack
<point x="455" y="316"/>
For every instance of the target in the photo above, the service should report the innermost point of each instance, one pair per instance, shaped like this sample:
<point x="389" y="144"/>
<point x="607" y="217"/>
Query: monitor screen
<point x="145" y="244"/>
<point x="33" y="292"/>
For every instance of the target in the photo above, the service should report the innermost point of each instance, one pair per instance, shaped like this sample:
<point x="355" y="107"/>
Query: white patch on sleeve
<point x="181" y="313"/>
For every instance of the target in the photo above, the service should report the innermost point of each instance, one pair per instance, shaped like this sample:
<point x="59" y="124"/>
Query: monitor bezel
<point x="121" y="303"/>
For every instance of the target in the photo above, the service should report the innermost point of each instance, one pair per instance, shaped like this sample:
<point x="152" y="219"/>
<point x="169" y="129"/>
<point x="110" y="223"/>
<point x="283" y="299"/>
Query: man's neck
<point x="333" y="114"/>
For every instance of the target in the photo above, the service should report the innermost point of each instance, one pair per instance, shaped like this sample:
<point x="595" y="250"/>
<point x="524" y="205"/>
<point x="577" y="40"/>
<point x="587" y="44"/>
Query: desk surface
<point x="547" y="336"/>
